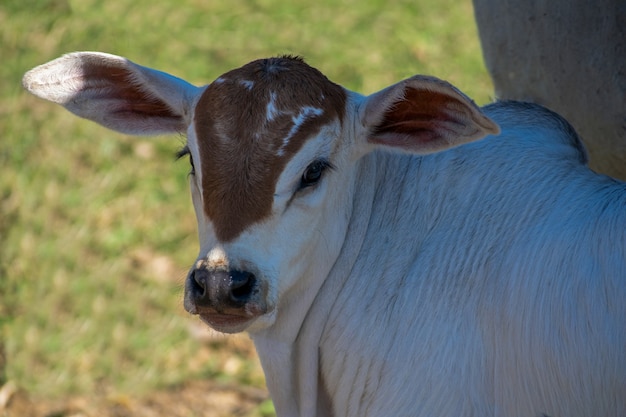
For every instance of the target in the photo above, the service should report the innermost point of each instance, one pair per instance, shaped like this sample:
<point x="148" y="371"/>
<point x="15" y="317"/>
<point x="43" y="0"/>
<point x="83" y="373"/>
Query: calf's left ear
<point x="423" y="115"/>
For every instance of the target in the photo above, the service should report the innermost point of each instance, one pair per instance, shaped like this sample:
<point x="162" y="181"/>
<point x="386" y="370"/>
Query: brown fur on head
<point x="249" y="123"/>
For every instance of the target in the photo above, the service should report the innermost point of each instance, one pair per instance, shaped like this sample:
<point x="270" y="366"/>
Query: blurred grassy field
<point x="97" y="229"/>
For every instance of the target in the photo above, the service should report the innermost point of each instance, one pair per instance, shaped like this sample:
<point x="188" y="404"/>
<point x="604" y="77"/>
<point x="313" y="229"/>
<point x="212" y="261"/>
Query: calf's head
<point x="274" y="148"/>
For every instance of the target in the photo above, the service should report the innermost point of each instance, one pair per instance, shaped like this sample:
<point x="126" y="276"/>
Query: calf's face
<point x="274" y="148"/>
<point x="266" y="153"/>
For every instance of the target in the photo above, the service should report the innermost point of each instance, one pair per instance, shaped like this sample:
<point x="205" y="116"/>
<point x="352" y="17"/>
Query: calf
<point x="376" y="274"/>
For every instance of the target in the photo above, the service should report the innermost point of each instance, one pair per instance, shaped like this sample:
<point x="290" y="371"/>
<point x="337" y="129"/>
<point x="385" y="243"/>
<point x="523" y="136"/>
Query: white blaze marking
<point x="305" y="113"/>
<point x="247" y="84"/>
<point x="271" y="111"/>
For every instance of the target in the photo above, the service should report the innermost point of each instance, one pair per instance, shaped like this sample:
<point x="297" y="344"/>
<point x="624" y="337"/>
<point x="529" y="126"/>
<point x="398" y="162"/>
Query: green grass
<point x="97" y="229"/>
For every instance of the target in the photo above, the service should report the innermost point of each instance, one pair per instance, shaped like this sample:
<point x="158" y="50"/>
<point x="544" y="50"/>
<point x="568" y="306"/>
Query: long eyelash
<point x="182" y="152"/>
<point x="328" y="165"/>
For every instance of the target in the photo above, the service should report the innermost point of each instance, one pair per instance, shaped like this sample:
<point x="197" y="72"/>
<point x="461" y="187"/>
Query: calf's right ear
<point x="115" y="92"/>
<point x="423" y="115"/>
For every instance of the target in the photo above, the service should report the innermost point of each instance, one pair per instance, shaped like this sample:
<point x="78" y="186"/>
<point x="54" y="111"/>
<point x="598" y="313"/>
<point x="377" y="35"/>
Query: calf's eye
<point x="186" y="152"/>
<point x="193" y="168"/>
<point x="313" y="173"/>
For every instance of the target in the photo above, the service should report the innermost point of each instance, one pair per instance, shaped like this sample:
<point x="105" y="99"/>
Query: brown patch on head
<point x="249" y="123"/>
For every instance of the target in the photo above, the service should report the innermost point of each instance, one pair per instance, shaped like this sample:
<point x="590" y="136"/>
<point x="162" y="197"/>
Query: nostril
<point x="242" y="285"/>
<point x="198" y="282"/>
<point x="196" y="290"/>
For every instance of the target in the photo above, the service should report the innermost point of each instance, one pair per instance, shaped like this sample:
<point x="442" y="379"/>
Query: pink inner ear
<point x="426" y="115"/>
<point x="421" y="120"/>
<point x="146" y="107"/>
<point x="130" y="99"/>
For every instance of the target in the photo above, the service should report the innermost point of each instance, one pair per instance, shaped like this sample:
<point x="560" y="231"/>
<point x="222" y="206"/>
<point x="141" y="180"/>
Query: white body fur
<point x="488" y="280"/>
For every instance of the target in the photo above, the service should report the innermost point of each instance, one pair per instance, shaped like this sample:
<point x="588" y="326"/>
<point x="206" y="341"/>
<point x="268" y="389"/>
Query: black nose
<point x="220" y="289"/>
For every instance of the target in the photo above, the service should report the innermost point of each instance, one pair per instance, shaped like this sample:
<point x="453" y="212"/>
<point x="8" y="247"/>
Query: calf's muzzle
<point x="228" y="300"/>
<point x="218" y="290"/>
